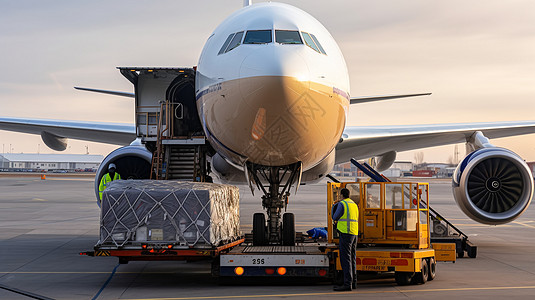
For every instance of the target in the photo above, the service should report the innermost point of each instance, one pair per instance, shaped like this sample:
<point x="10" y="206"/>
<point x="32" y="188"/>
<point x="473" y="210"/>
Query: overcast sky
<point x="477" y="57"/>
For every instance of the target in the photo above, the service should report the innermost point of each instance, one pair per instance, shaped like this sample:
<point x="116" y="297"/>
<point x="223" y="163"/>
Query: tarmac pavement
<point x="44" y="224"/>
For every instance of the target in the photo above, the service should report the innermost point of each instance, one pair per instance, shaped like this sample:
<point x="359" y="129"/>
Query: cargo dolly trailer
<point x="167" y="220"/>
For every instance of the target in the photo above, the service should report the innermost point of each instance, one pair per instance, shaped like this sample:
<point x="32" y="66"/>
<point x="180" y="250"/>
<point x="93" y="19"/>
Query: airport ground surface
<point x="44" y="224"/>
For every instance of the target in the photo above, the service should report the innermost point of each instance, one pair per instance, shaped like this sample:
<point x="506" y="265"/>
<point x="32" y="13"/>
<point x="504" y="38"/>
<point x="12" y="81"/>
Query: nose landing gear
<point x="279" y="182"/>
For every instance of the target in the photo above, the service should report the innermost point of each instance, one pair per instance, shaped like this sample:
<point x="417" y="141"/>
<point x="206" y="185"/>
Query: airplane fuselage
<point x="272" y="87"/>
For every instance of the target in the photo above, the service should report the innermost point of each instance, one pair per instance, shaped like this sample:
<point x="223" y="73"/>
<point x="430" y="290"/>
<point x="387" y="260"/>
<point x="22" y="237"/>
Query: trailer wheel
<point x="432" y="268"/>
<point x="288" y="229"/>
<point x="403" y="278"/>
<point x="259" y="229"/>
<point x="472" y="252"/>
<point x="421" y="277"/>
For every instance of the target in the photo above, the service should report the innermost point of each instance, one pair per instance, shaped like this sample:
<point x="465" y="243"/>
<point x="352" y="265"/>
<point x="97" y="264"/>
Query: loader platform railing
<point x="439" y="232"/>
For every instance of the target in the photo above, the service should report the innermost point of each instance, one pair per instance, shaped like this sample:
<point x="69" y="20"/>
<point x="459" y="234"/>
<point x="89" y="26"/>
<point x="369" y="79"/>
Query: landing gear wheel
<point x="421" y="277"/>
<point x="403" y="278"/>
<point x="259" y="229"/>
<point x="432" y="268"/>
<point x="288" y="229"/>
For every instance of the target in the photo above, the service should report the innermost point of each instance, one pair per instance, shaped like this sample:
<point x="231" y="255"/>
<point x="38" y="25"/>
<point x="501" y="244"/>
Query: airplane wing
<point x="367" y="141"/>
<point x="366" y="99"/>
<point x="116" y="93"/>
<point x="110" y="133"/>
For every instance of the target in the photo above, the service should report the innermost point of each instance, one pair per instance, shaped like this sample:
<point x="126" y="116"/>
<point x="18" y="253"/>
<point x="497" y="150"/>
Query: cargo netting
<point x="188" y="214"/>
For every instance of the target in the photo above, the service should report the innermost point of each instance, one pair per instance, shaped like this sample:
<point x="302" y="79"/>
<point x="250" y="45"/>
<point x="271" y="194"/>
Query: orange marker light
<point x="170" y="246"/>
<point x="239" y="271"/>
<point x="144" y="246"/>
<point x="281" y="270"/>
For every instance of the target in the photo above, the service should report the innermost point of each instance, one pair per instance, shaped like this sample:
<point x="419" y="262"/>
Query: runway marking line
<point x="39" y="199"/>
<point x="343" y="293"/>
<point x="96" y="272"/>
<point x="523" y="224"/>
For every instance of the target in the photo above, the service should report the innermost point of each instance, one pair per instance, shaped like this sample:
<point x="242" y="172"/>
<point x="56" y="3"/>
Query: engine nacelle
<point x="227" y="172"/>
<point x="385" y="161"/>
<point x="133" y="162"/>
<point x="319" y="171"/>
<point x="53" y="141"/>
<point x="493" y="186"/>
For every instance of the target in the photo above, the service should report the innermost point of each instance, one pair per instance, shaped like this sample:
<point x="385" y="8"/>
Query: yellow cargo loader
<point x="393" y="230"/>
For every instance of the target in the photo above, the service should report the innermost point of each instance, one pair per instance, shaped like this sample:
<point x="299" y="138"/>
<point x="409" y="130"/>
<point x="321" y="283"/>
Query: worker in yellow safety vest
<point x="346" y="213"/>
<point x="107" y="178"/>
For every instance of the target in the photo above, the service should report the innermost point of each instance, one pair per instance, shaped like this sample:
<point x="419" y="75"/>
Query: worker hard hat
<point x="111" y="166"/>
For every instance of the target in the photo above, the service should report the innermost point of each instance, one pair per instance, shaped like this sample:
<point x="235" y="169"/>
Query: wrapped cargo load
<point x="187" y="214"/>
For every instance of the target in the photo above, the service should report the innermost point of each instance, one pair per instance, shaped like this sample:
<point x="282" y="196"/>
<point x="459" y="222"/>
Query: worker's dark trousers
<point x="348" y="256"/>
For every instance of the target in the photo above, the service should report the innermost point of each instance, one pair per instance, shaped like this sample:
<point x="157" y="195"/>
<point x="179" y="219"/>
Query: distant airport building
<point x="49" y="162"/>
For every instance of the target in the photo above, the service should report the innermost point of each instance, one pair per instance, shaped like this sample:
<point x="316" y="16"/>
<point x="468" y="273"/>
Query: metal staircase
<point x="185" y="163"/>
<point x="178" y="157"/>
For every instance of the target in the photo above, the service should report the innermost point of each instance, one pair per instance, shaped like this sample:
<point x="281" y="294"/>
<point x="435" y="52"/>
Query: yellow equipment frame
<point x="390" y="213"/>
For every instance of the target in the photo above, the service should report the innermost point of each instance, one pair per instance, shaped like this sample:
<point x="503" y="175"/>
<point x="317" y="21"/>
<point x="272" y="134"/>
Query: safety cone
<point x="43" y="176"/>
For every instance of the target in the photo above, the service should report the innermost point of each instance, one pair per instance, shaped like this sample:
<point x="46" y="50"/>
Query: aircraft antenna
<point x="247" y="2"/>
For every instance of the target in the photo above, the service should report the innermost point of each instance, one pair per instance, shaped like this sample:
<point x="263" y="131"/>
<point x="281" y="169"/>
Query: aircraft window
<point x="236" y="41"/>
<point x="287" y="37"/>
<point x="258" y="37"/>
<point x="310" y="42"/>
<point x="222" y="50"/>
<point x="318" y="44"/>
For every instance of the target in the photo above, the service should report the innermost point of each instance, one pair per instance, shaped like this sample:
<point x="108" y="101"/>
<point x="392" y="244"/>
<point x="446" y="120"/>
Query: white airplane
<point x="272" y="95"/>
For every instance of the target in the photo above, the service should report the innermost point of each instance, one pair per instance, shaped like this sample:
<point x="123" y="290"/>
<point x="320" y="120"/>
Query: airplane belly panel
<point x="274" y="120"/>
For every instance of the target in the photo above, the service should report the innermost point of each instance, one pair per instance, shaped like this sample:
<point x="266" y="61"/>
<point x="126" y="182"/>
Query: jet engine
<point x="493" y="185"/>
<point x="133" y="162"/>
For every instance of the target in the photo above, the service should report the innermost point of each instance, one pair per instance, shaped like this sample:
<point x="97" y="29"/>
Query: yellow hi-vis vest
<point x="104" y="182"/>
<point x="349" y="222"/>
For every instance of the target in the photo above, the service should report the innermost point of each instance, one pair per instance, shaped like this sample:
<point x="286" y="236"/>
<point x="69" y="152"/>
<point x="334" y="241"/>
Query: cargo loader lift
<point x="393" y="237"/>
<point x="443" y="230"/>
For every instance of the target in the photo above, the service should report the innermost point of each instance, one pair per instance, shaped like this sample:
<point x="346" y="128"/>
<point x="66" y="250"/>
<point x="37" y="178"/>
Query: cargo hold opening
<point x="181" y="93"/>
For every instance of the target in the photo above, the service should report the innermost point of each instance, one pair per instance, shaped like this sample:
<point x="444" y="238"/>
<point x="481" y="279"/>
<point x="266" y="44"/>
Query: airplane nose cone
<point x="285" y="119"/>
<point x="274" y="114"/>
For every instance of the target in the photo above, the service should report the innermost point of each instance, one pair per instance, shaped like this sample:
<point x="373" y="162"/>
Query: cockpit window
<point x="287" y="37"/>
<point x="225" y="45"/>
<point x="258" y="37"/>
<point x="235" y="42"/>
<point x="312" y="42"/>
<point x="318" y="44"/>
